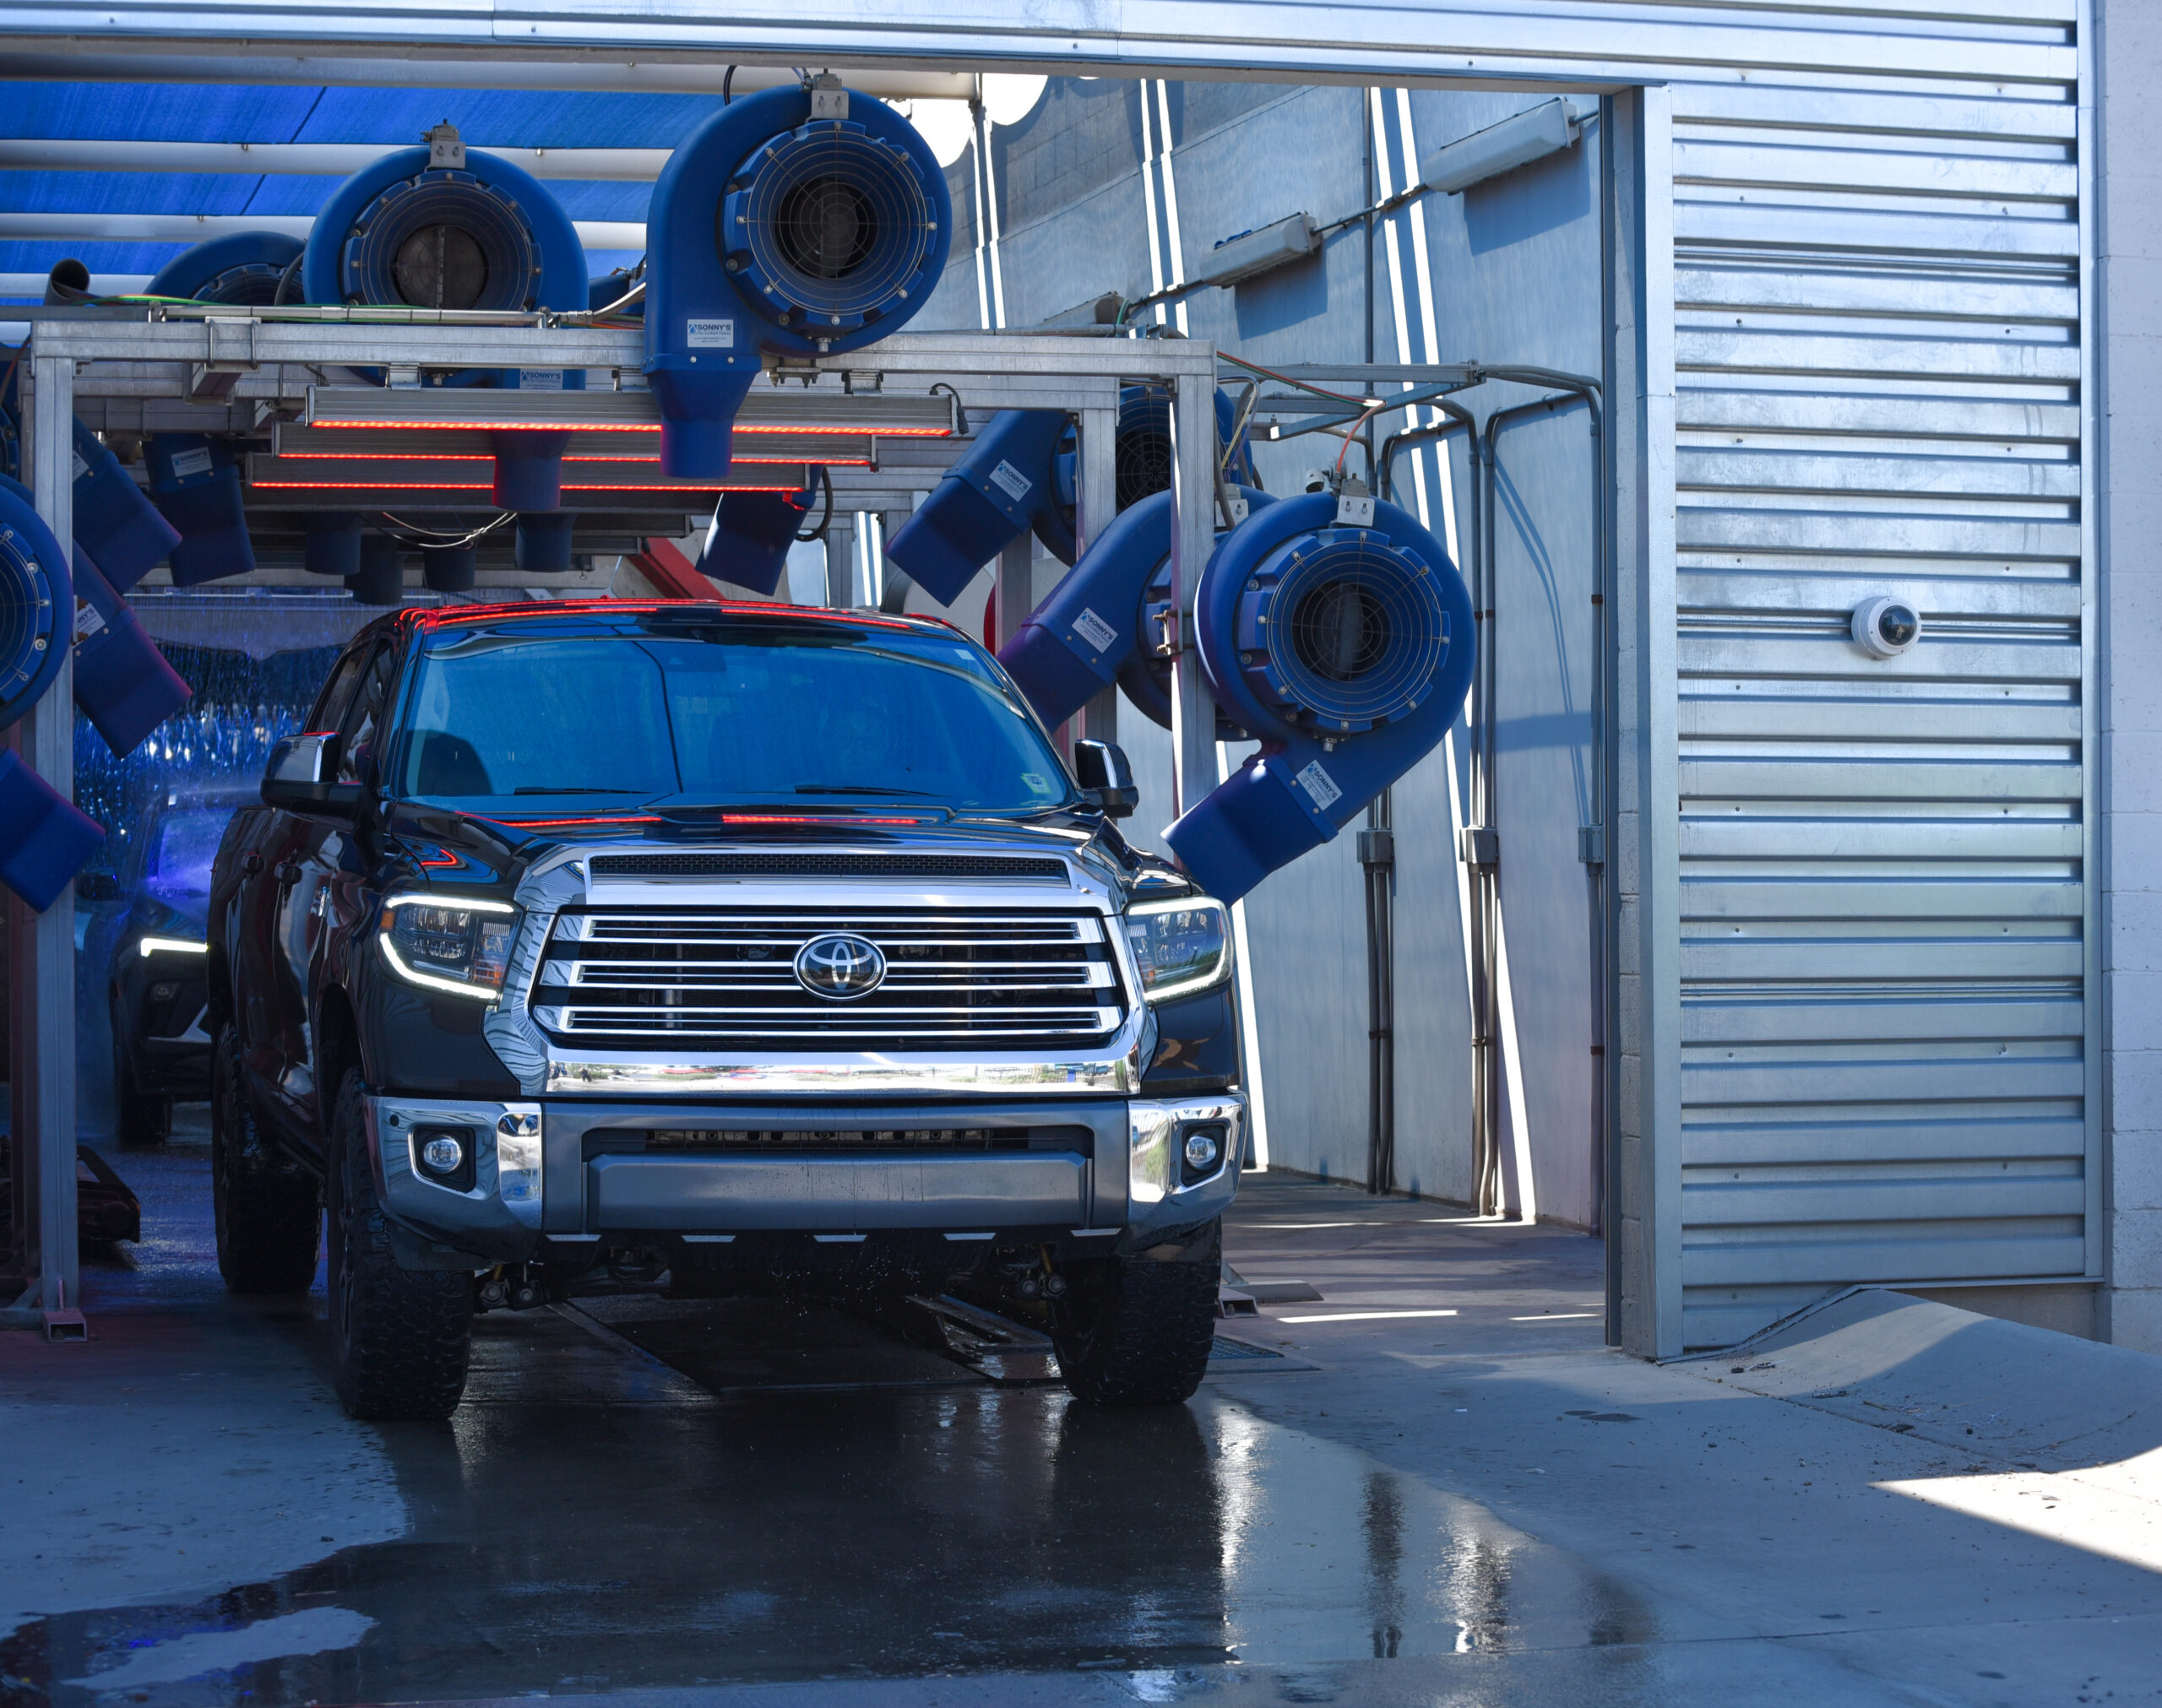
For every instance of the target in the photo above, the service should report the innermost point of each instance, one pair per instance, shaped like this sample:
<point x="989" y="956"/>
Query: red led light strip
<point x="852" y="429"/>
<point x="489" y="486"/>
<point x="489" y="456"/>
<point x="809" y="818"/>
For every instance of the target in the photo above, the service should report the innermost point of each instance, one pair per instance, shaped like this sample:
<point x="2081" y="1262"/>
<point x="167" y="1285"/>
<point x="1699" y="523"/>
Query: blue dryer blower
<point x="1094" y="627"/>
<point x="1348" y="650"/>
<point x="806" y="220"/>
<point x="747" y="541"/>
<point x="37" y="605"/>
<point x="1021" y="474"/>
<point x="242" y="268"/>
<point x="44" y="840"/>
<point x="122" y="683"/>
<point x="445" y="226"/>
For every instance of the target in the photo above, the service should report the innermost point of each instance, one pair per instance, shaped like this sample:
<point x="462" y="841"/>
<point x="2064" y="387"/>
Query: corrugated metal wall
<point x="1884" y="937"/>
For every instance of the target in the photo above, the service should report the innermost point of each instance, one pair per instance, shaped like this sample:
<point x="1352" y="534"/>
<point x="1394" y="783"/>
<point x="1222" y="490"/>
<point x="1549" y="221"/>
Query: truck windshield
<point x="722" y="712"/>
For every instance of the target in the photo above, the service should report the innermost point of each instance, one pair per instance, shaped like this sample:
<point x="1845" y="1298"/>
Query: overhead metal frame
<point x="153" y="367"/>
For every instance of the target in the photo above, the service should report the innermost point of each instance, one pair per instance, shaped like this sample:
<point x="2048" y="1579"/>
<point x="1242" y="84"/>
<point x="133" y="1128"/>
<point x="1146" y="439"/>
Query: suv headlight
<point x="1181" y="947"/>
<point x="455" y="943"/>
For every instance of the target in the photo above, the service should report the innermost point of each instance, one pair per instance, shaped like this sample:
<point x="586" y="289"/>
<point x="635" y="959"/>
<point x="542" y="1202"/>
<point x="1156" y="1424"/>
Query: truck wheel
<point x="400" y="1336"/>
<point x="1130" y="1332"/>
<point x="264" y="1206"/>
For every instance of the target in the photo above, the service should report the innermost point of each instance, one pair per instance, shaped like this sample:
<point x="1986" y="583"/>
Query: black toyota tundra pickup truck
<point x="715" y="948"/>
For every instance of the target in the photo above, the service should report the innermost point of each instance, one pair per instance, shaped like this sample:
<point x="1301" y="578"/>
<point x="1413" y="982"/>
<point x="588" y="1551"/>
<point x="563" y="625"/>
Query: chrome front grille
<point x="692" y="978"/>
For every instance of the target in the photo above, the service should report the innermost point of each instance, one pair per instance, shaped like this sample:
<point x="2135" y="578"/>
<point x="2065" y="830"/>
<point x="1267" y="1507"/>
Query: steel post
<point x="1193" y="536"/>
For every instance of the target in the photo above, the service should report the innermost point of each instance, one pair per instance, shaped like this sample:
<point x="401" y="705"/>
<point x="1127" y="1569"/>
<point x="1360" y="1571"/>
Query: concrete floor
<point x="736" y="1503"/>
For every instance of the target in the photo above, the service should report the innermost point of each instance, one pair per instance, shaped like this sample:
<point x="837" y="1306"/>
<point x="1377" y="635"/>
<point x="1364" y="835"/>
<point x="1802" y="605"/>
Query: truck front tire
<point x="400" y="1337"/>
<point x="265" y="1207"/>
<point x="1130" y="1331"/>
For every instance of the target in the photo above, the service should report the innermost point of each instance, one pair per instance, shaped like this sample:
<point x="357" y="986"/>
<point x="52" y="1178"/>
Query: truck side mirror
<point x="301" y="775"/>
<point x="1101" y="769"/>
<point x="98" y="887"/>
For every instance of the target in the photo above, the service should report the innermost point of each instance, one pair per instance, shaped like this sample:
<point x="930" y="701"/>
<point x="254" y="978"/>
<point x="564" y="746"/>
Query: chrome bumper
<point x="537" y="1180"/>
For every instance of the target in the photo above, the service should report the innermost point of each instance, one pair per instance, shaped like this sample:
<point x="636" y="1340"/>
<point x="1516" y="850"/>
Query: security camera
<point x="1885" y="628"/>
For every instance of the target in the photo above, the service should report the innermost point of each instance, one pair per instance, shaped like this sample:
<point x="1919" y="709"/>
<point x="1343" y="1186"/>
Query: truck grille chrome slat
<point x="651" y="978"/>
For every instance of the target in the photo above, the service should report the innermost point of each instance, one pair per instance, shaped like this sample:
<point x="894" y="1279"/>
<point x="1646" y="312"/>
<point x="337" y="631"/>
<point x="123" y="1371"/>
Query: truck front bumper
<point x="547" y="1178"/>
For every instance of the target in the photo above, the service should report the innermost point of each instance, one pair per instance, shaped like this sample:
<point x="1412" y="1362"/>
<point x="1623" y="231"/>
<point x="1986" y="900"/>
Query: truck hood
<point x="475" y="852"/>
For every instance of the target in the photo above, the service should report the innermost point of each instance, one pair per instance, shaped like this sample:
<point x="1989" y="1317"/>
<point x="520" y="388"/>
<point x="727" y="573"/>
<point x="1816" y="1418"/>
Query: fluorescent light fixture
<point x="1252" y="253"/>
<point x="170" y="946"/>
<point x="1528" y="136"/>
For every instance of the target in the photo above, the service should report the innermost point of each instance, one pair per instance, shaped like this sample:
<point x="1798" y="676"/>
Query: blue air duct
<point x="117" y="528"/>
<point x="1094" y="628"/>
<point x="1347" y="649"/>
<point x="195" y="482"/>
<point x="993" y="495"/>
<point x="1022" y="475"/>
<point x="122" y="683"/>
<point x="806" y="221"/>
<point x="44" y="840"/>
<point x="747" y="541"/>
<point x="448" y="227"/>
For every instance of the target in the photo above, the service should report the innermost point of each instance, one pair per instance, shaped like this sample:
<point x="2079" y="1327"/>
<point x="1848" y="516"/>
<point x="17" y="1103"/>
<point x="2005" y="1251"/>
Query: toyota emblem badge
<point x="838" y="967"/>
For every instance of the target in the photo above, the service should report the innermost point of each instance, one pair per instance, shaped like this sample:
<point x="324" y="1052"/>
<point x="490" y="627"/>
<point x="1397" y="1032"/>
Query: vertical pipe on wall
<point x="42" y="946"/>
<point x="1378" y="859"/>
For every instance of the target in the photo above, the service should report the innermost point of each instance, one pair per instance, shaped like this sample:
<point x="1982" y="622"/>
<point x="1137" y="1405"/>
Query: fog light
<point x="442" y="1155"/>
<point x="1202" y="1150"/>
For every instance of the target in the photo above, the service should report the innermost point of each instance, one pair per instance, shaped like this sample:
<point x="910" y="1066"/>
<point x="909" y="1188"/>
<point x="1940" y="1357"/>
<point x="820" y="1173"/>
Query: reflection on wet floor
<point x="596" y="1520"/>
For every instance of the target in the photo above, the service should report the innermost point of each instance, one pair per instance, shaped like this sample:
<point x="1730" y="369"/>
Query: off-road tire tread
<point x="1152" y="1346"/>
<point x="401" y="1344"/>
<point x="267" y="1220"/>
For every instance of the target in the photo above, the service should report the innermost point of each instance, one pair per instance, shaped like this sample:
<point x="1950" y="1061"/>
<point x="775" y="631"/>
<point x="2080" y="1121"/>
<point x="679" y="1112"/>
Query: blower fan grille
<point x="29" y="650"/>
<point x="1344" y="629"/>
<point x="828" y="225"/>
<point x="442" y="239"/>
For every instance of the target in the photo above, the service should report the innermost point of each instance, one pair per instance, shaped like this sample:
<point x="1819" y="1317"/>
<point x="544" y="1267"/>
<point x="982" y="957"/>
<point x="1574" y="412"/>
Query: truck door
<point x="271" y="1010"/>
<point x="322" y="860"/>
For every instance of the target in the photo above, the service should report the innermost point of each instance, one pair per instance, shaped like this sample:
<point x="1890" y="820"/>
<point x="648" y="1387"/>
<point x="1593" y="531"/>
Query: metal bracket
<point x="1355" y="505"/>
<point x="1174" y="632"/>
<point x="231" y="354"/>
<point x="828" y="100"/>
<point x="446" y="147"/>
<point x="1591" y="844"/>
<point x="1377" y="848"/>
<point x="1479" y="845"/>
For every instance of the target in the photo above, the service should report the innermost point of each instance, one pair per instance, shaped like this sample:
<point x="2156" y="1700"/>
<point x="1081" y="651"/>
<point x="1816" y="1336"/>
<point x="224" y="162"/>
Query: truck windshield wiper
<point x="530" y="789"/>
<point x="858" y="789"/>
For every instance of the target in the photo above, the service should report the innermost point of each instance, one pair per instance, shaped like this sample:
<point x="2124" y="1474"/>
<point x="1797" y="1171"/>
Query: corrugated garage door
<point x="1883" y="937"/>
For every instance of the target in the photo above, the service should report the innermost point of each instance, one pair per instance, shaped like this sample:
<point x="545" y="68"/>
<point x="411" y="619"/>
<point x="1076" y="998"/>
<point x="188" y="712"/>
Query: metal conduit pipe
<point x="1485" y="1078"/>
<point x="1591" y="848"/>
<point x="309" y="159"/>
<point x="1378" y="859"/>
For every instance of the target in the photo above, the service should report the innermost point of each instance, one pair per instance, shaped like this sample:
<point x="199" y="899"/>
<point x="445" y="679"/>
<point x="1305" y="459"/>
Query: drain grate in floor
<point x="1226" y="1347"/>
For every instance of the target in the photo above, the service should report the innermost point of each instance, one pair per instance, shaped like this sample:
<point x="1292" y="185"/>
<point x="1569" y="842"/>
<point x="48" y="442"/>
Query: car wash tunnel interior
<point x="853" y="861"/>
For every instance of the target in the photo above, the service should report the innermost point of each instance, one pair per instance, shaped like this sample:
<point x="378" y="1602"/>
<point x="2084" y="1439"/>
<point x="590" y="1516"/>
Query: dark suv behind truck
<point x="715" y="948"/>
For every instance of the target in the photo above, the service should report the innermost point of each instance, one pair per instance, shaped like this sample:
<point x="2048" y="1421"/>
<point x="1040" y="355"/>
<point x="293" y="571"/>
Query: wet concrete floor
<point x="734" y="1501"/>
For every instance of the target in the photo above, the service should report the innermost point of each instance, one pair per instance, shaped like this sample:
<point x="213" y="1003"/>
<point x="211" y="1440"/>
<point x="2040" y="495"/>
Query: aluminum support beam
<point x="840" y="560"/>
<point x="1016" y="586"/>
<point x="1193" y="708"/>
<point x="1099" y="504"/>
<point x="42" y="946"/>
<point x="194" y="228"/>
<point x="309" y="160"/>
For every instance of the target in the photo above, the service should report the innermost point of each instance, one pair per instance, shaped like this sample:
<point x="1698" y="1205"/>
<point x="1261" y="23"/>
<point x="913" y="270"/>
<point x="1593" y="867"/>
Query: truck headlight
<point x="1181" y="947"/>
<point x="456" y="943"/>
